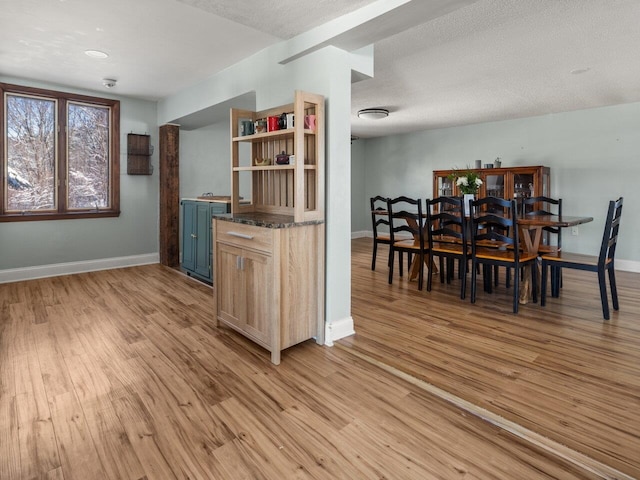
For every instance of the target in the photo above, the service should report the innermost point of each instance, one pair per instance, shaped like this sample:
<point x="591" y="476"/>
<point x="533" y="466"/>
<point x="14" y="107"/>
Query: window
<point x="60" y="155"/>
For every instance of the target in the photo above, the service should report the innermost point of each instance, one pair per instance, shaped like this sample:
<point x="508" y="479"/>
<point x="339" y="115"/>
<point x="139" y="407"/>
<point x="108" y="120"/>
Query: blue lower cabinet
<point x="197" y="257"/>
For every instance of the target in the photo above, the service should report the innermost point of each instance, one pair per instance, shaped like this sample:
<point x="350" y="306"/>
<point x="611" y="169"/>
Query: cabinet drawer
<point x="246" y="236"/>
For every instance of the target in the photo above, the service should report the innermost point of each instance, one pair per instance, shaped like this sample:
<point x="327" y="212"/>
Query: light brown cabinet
<point x="246" y="291"/>
<point x="269" y="282"/>
<point x="269" y="253"/>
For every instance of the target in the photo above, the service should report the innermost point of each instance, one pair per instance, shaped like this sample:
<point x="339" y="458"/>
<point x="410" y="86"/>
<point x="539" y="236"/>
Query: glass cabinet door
<point x="445" y="186"/>
<point x="529" y="183"/>
<point x="494" y="185"/>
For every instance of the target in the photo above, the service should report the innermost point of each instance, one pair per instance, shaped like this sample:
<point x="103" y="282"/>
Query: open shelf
<point x="296" y="190"/>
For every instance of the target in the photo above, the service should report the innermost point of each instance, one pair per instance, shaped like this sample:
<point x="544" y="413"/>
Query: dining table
<point x="530" y="228"/>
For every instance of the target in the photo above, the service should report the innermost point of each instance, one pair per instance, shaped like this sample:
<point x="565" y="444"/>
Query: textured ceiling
<point x="282" y="18"/>
<point x="502" y="59"/>
<point x="489" y="60"/>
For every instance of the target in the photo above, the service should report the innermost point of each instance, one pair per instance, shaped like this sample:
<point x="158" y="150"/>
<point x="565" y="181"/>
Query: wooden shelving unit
<point x="296" y="190"/>
<point x="139" y="151"/>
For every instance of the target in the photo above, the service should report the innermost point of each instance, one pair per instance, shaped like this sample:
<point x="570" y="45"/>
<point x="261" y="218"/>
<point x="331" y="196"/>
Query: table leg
<point x="415" y="266"/>
<point x="530" y="238"/>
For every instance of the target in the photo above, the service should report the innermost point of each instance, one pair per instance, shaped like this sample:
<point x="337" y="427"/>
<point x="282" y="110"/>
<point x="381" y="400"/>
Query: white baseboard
<point x="627" y="266"/>
<point x="54" y="270"/>
<point x="337" y="330"/>
<point x="361" y="234"/>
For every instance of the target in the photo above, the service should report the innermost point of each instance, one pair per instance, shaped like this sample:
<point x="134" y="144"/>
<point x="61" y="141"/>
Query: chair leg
<point x="451" y="268"/>
<point x="400" y="260"/>
<point x="421" y="271"/>
<point x="441" y="264"/>
<point x="508" y="278"/>
<point x="614" y="288"/>
<point x="391" y="255"/>
<point x="430" y="271"/>
<point x="555" y="281"/>
<point x="474" y="274"/>
<point x="495" y="275"/>
<point x="534" y="281"/>
<point x="375" y="253"/>
<point x="603" y="294"/>
<point x="486" y="273"/>
<point x="462" y="272"/>
<point x="543" y="285"/>
<point x="516" y="291"/>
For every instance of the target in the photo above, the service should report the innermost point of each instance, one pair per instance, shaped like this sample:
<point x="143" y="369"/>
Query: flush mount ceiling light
<point x="96" y="54"/>
<point x="373" y="113"/>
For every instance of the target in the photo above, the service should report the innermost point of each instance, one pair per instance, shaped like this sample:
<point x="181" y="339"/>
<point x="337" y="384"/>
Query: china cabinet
<point x="508" y="183"/>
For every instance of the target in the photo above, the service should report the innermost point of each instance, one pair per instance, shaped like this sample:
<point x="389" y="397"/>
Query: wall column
<point x="169" y="195"/>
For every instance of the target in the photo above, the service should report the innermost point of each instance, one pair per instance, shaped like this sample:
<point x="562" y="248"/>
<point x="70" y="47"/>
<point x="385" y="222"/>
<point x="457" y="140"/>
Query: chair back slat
<point x="400" y="210"/>
<point x="611" y="229"/>
<point x="542" y="205"/>
<point x="445" y="219"/>
<point x="494" y="219"/>
<point x="378" y="203"/>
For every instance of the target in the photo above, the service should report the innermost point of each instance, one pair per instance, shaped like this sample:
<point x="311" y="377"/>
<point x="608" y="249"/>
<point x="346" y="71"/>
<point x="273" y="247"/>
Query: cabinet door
<point x="494" y="185"/>
<point x="188" y="232"/>
<point x="230" y="285"/>
<point x="444" y="186"/>
<point x="528" y="182"/>
<point x="203" y="240"/>
<point x="258" y="277"/>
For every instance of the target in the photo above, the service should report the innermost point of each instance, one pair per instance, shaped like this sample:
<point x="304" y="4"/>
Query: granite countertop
<point x="267" y="220"/>
<point x="215" y="199"/>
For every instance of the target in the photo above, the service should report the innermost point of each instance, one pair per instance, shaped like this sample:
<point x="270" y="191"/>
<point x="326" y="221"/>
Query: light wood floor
<point x="561" y="371"/>
<point x="121" y="375"/>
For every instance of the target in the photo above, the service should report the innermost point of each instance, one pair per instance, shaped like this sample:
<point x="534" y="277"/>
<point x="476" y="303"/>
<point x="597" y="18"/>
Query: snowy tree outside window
<point x="59" y="156"/>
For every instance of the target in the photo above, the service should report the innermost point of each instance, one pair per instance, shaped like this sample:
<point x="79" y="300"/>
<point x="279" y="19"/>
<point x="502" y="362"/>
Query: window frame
<point x="62" y="100"/>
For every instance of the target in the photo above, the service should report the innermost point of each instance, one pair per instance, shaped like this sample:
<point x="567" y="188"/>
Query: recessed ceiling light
<point x="96" y="54"/>
<point x="109" y="82"/>
<point x="373" y="113"/>
<point x="578" y="71"/>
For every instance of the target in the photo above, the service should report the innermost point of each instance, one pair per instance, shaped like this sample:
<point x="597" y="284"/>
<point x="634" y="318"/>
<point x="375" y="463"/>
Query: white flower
<point x="462" y="181"/>
<point x="478" y="182"/>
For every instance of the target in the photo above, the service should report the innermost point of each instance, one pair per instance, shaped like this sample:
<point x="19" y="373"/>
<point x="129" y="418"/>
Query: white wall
<point x="134" y="233"/>
<point x="594" y="156"/>
<point x="359" y="199"/>
<point x="204" y="161"/>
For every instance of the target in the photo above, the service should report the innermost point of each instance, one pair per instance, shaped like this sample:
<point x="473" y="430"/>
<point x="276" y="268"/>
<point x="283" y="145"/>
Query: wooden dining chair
<point x="495" y="242"/>
<point x="601" y="264"/>
<point x="378" y="205"/>
<point x="405" y="217"/>
<point x="447" y="239"/>
<point x="541" y="205"/>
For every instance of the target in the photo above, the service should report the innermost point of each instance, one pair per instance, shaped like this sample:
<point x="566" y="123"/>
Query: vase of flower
<point x="468" y="184"/>
<point x="466" y="198"/>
